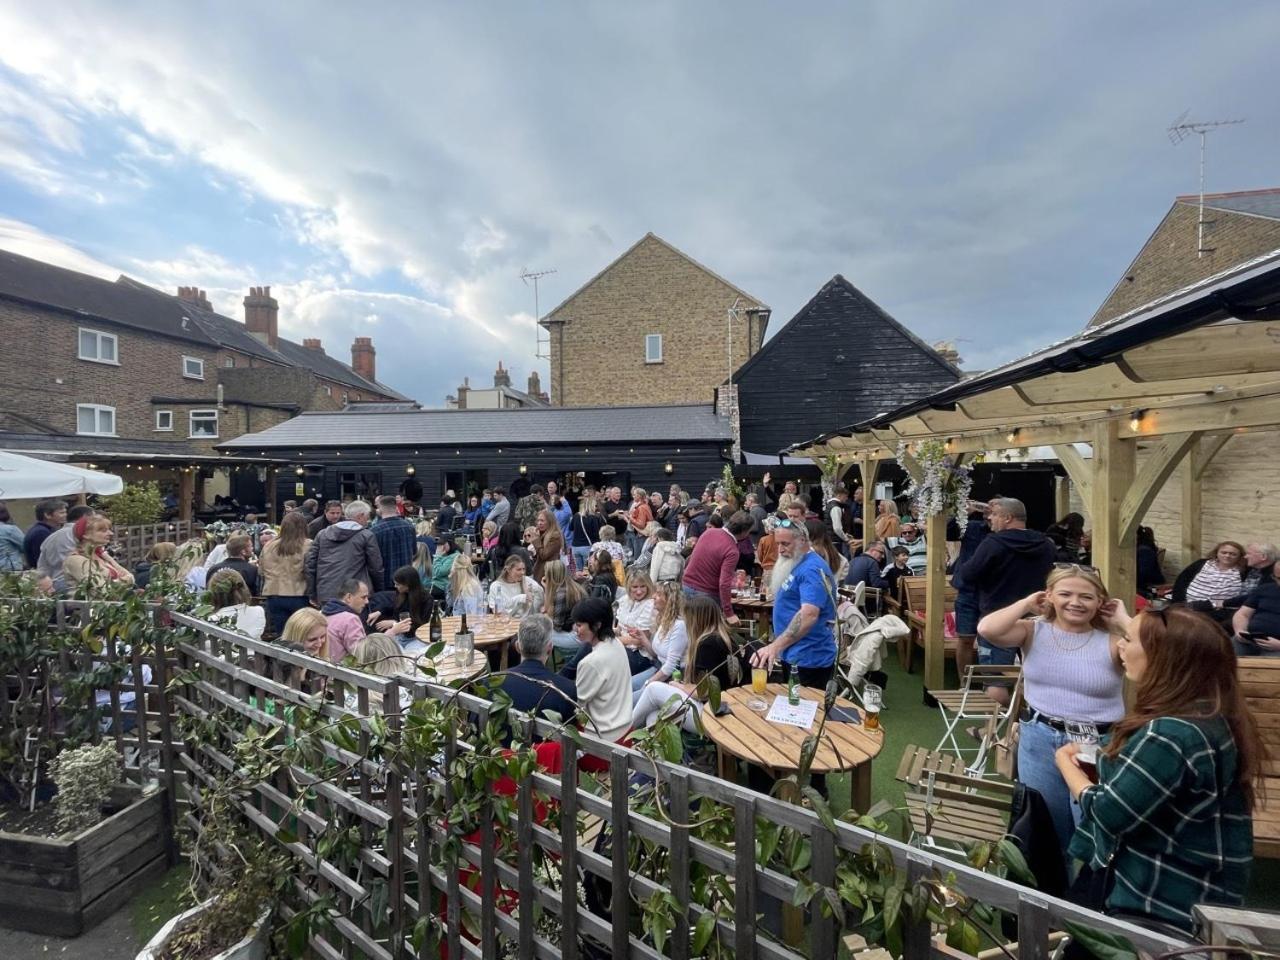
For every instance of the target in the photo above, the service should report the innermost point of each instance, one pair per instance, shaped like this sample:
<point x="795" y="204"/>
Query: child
<point x="897" y="570"/>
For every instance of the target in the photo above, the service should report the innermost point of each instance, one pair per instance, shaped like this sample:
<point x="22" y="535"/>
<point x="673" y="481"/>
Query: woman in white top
<point x="1215" y="579"/>
<point x="636" y="606"/>
<point x="514" y="588"/>
<point x="667" y="643"/>
<point x="230" y="597"/>
<point x="382" y="656"/>
<point x="603" y="676"/>
<point x="1073" y="680"/>
<point x="465" y="593"/>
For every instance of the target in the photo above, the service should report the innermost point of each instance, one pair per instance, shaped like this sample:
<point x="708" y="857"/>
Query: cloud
<point x="29" y="241"/>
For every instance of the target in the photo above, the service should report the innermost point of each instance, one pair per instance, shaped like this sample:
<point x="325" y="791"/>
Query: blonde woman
<point x="514" y="583"/>
<point x="189" y="557"/>
<point x="561" y="594"/>
<point x="307" y="631"/>
<point x="230" y="597"/>
<point x="668" y="643"/>
<point x="636" y="607"/>
<point x="887" y="524"/>
<point x="547" y="543"/>
<point x="710" y="653"/>
<point x="381" y="656"/>
<point x="465" y="593"/>
<point x="281" y="566"/>
<point x="89" y="563"/>
<point x="1073" y="680"/>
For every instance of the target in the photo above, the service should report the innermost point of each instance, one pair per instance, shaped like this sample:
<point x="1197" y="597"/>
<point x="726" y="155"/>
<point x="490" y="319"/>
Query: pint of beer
<point x="872" y="697"/>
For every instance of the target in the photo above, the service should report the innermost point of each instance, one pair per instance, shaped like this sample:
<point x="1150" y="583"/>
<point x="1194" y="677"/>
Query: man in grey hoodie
<point x="347" y="550"/>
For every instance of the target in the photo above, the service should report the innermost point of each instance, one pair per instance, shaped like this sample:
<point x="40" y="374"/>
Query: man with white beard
<point x="804" y="611"/>
<point x="778" y="575"/>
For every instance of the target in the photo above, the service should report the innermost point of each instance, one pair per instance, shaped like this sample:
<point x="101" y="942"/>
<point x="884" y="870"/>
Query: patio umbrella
<point x="26" y="478"/>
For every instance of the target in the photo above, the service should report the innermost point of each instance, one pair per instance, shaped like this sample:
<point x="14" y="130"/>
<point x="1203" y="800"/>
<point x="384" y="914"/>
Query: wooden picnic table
<point x="446" y="665"/>
<point x="753" y="608"/>
<point x="494" y="630"/>
<point x="746" y="734"/>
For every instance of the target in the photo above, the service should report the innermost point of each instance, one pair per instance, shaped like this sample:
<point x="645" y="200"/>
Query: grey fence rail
<point x="131" y="543"/>
<point x="494" y="897"/>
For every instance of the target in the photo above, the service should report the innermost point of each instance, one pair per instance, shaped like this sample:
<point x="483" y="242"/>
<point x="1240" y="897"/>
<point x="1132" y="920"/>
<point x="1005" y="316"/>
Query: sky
<point x="985" y="172"/>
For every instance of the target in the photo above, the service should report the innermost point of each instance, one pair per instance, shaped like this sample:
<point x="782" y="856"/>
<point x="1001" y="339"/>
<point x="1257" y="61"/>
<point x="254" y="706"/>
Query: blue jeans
<point x="638" y="679"/>
<point x="966" y="613"/>
<point x="1037" y="743"/>
<point x="280" y="609"/>
<point x="695" y="592"/>
<point x="580" y="557"/>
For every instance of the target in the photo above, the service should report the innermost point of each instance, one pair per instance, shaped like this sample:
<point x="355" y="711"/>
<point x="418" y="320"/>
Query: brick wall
<point x="41" y="377"/>
<point x="598" y="353"/>
<point x="1237" y="500"/>
<point x="1169" y="262"/>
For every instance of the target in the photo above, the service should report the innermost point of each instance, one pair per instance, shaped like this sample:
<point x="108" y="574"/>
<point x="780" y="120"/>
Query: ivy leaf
<point x="299" y="933"/>
<point x="1016" y="863"/>
<point x="713" y="692"/>
<point x="1106" y="946"/>
<point x="285" y="835"/>
<point x="671" y="744"/>
<point x="964" y="936"/>
<point x="820" y="807"/>
<point x="702" y="931"/>
<point x="803" y="893"/>
<point x="892" y="906"/>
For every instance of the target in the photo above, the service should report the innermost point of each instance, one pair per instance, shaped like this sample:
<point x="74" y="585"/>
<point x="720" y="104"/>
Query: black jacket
<point x="1008" y="566"/>
<point x="243" y="567"/>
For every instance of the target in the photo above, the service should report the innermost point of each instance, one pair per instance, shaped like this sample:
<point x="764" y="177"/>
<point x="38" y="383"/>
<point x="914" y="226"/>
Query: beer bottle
<point x="793" y="685"/>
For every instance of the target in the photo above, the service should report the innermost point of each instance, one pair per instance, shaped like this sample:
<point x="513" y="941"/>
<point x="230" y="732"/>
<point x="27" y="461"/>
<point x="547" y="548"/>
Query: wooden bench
<point x="1260" y="683"/>
<point x="913" y="609"/>
<point x="946" y="804"/>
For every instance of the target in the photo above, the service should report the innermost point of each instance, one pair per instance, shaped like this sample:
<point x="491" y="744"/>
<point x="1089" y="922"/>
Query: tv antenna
<point x="543" y="350"/>
<point x="1178" y="131"/>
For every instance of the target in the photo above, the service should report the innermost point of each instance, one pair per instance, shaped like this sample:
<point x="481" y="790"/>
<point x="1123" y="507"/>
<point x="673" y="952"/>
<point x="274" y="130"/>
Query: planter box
<point x="65" y="886"/>
<point x="252" y="947"/>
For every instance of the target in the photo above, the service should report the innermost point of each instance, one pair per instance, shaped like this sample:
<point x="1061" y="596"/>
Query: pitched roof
<point x="1255" y="203"/>
<point x="526" y="425"/>
<point x="131" y="303"/>
<point x="548" y="317"/>
<point x="860" y="301"/>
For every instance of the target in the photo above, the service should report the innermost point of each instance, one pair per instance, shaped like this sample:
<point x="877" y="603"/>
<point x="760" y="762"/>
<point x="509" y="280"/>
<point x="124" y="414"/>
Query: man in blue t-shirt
<point x="804" y="611"/>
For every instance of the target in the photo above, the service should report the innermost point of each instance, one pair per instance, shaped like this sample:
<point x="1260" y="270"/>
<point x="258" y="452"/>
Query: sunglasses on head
<point x="1077" y="566"/>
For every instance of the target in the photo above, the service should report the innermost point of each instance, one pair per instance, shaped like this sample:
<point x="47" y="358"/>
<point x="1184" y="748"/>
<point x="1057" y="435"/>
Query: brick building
<point x="121" y="373"/>
<point x="653" y="327"/>
<point x="501" y="396"/>
<point x="1238" y="500"/>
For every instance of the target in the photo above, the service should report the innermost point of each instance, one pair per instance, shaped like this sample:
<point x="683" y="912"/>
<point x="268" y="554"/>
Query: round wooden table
<point x="495" y="630"/>
<point x="448" y="669"/>
<point x="753" y="608"/>
<point x="748" y="735"/>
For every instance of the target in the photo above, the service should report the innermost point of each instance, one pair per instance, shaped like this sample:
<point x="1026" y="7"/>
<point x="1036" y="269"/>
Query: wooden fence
<point x="383" y="869"/>
<point x="131" y="543"/>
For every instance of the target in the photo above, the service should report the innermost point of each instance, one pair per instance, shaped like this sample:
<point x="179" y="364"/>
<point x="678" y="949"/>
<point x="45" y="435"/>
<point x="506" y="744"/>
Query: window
<point x="328" y="391"/>
<point x="204" y="424"/>
<point x="94" y="420"/>
<point x="653" y="348"/>
<point x="193" y="368"/>
<point x="164" y="420"/>
<point x="98" y="346"/>
<point x="229" y="362"/>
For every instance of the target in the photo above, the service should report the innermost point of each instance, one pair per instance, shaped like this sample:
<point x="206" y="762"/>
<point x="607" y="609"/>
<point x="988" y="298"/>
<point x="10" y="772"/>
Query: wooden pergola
<point x="1178" y="377"/>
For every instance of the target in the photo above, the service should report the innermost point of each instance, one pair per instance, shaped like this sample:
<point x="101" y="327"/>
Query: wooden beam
<point x="1193" y="468"/>
<point x="1222" y="349"/>
<point x="1112" y="383"/>
<point x="1114" y="551"/>
<point x="1233" y="413"/>
<point x="912" y="466"/>
<point x="1079" y="470"/>
<point x="1159" y="463"/>
<point x="868" y="467"/>
<point x="935" y="649"/>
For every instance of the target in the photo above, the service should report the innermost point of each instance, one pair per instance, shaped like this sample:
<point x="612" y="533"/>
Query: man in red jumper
<point x="715" y="556"/>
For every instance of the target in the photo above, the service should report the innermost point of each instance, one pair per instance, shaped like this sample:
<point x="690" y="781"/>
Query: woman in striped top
<point x="1170" y="815"/>
<point x="1215" y="579"/>
<point x="1072" y="678"/>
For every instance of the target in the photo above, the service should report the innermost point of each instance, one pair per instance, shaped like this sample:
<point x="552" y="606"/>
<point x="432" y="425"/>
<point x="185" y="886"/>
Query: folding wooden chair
<point x="971" y="704"/>
<point x="947" y="804"/>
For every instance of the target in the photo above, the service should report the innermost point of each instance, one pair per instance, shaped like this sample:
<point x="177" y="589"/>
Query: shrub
<point x="136" y="503"/>
<point x="84" y="777"/>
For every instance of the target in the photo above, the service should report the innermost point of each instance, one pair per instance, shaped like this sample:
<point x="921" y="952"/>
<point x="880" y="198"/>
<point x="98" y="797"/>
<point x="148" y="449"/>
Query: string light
<point x="1135" y="421"/>
<point x="1012" y="435"/>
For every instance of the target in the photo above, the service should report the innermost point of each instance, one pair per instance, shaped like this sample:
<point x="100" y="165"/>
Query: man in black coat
<point x="1012" y="562"/>
<point x="533" y="688"/>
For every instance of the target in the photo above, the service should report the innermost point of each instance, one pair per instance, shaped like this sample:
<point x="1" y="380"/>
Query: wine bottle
<point x="437" y="626"/>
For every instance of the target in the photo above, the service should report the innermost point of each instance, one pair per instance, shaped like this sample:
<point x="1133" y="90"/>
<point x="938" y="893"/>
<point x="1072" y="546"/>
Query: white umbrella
<point x="26" y="478"/>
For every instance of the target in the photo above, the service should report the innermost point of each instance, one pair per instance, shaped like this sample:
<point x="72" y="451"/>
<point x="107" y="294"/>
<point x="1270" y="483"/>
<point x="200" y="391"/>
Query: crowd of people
<point x="625" y="608"/>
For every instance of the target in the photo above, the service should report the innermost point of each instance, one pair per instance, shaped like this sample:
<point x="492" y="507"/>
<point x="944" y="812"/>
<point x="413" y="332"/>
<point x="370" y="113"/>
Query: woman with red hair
<point x="90" y="562"/>
<point x="1168" y="824"/>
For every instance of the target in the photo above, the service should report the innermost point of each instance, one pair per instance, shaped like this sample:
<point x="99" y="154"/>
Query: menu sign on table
<point x="801" y="714"/>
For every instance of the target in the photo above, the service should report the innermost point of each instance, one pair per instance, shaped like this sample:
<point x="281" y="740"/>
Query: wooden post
<point x="270" y="493"/>
<point x="1061" y="497"/>
<point x="868" y="467"/>
<point x="186" y="493"/>
<point x="935" y="650"/>
<point x="1114" y="549"/>
<point x="1192" y="470"/>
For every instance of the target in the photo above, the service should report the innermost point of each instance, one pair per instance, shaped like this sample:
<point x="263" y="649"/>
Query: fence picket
<point x="744" y="878"/>
<point x="678" y="807"/>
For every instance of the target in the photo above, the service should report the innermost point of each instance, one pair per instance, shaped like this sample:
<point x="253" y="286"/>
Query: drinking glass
<point x="1085" y="734"/>
<point x="463" y="650"/>
<point x="872" y="700"/>
<point x="759" y="684"/>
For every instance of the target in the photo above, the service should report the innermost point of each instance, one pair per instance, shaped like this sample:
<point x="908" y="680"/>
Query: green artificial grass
<point x="158" y="903"/>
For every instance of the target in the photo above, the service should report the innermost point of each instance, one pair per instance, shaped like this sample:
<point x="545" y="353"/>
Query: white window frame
<point x="191" y="425"/>
<point x="228" y="362"/>
<point x="169" y="415"/>
<point x="99" y="336"/>
<point x="192" y="376"/>
<point x="98" y="409"/>
<point x="649" y="339"/>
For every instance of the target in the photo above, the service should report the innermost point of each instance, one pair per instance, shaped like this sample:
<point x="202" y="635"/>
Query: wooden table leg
<point x="502" y="660"/>
<point x="726" y="765"/>
<point x="860" y="787"/>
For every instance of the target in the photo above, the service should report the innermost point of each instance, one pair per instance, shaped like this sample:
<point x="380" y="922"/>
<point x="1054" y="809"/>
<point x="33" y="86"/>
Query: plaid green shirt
<point x="1169" y="816"/>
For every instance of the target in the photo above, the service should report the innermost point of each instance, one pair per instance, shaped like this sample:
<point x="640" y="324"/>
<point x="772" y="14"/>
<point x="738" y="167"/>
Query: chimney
<point x="947" y="350"/>
<point x="262" y="315"/>
<point x="535" y="385"/>
<point x="462" y="393"/>
<point x="312" y="344"/>
<point x="362" y="357"/>
<point x="196" y="296"/>
<point x="500" y="377"/>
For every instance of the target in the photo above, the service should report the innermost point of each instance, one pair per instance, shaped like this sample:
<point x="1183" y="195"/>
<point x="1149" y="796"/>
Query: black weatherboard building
<point x="366" y="452"/>
<point x="840" y="360"/>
